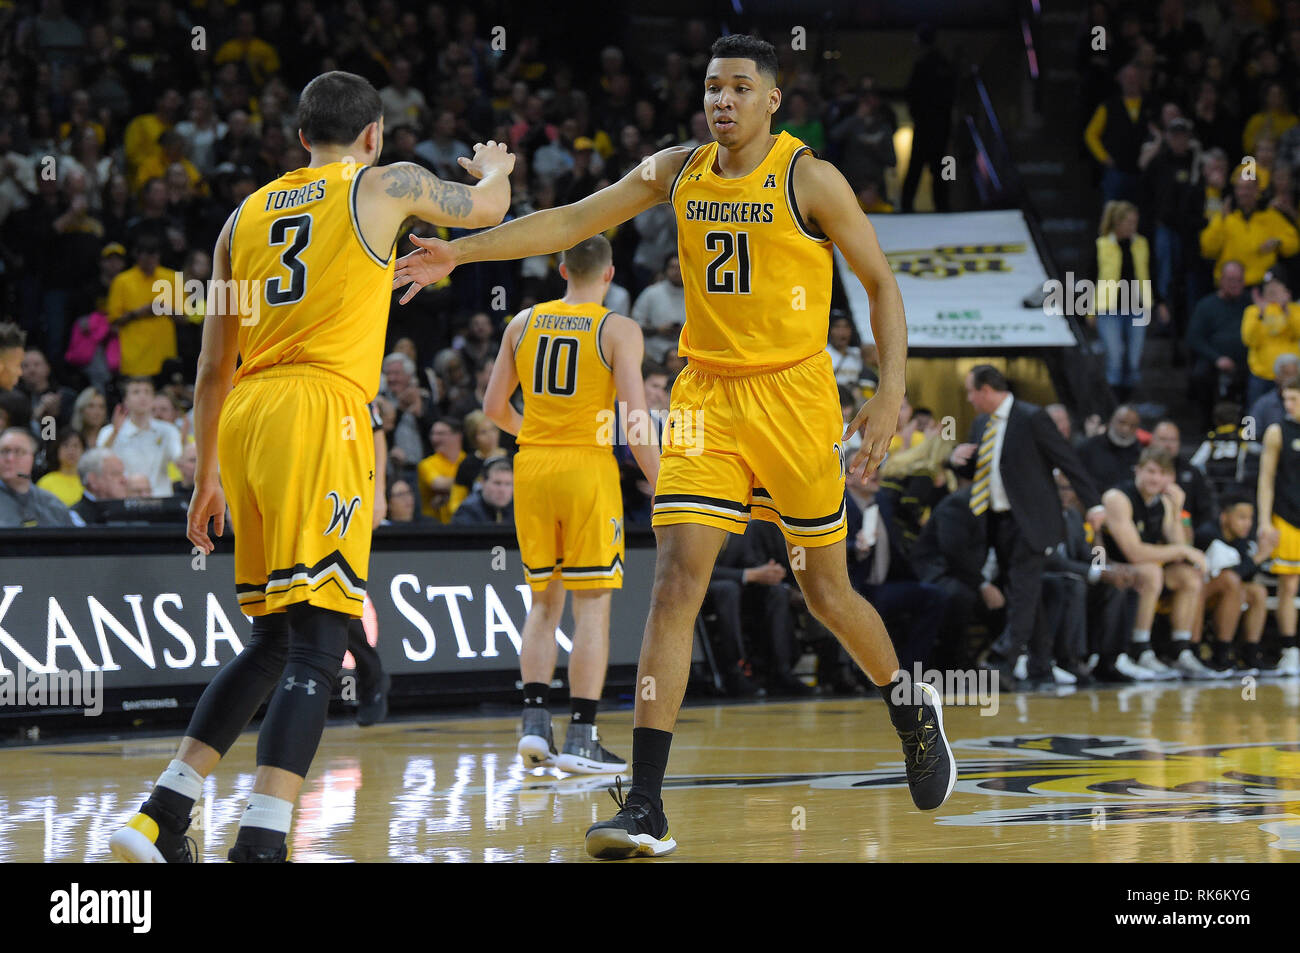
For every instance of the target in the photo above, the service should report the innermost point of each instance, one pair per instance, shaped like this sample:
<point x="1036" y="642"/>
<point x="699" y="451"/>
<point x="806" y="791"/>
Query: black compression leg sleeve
<point x="295" y="717"/>
<point x="231" y="699"/>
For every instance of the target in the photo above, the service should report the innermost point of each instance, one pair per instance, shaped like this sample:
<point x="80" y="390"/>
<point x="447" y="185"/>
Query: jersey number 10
<point x="551" y="353"/>
<point x="721" y="277"/>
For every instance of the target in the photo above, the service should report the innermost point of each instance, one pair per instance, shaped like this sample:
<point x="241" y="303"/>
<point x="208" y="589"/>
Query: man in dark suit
<point x="1013" y="448"/>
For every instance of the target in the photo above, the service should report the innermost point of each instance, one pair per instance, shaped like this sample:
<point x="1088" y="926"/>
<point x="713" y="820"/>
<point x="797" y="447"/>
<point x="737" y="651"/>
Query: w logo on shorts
<point x="618" y="529"/>
<point x="342" y="517"/>
<point x="839" y="452"/>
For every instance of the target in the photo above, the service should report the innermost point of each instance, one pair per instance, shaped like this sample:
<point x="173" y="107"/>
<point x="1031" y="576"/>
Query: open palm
<point x="431" y="261"/>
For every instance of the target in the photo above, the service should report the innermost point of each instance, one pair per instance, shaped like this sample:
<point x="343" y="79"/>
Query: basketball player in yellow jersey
<point x="571" y="355"/>
<point x="756" y="217"/>
<point x="309" y="259"/>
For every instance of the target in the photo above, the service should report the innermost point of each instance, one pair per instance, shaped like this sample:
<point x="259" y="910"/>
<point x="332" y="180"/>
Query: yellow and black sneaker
<point x="154" y="836"/>
<point x="639" y="829"/>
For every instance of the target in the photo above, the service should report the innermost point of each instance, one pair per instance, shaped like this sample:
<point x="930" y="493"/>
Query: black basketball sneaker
<point x="241" y="854"/>
<point x="931" y="771"/>
<point x="154" y="836"/>
<point x="639" y="829"/>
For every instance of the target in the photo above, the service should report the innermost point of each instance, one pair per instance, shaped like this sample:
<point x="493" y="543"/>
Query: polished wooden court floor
<point x="1144" y="773"/>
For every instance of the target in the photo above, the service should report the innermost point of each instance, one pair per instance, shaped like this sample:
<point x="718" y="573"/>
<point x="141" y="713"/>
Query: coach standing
<point x="1020" y="504"/>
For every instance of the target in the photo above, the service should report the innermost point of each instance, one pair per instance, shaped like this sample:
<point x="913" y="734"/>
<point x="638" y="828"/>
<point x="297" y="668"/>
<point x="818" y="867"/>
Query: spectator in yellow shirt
<point x="439" y="494"/>
<point x="1275" y="118"/>
<point x="146" y="329"/>
<point x="64" y="482"/>
<point x="1269" y="328"/>
<point x="171" y="151"/>
<point x="140" y="138"/>
<point x="258" y="56"/>
<point x="1243" y="231"/>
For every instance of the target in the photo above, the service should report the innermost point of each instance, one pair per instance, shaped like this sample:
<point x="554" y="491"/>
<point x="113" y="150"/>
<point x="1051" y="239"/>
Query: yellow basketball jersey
<point x="315" y="293"/>
<point x="758" y="281"/>
<point x="567" y="383"/>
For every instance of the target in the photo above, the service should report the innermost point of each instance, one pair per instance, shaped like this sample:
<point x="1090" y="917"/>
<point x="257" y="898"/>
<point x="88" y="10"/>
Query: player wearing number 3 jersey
<point x="754" y="425"/>
<point x="300" y="292"/>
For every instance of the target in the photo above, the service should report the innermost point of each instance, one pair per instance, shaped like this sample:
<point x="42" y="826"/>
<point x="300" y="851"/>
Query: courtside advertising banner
<point x="964" y="277"/>
<point x="143" y="621"/>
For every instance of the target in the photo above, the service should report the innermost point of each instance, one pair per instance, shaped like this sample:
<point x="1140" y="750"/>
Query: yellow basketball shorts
<point x="297" y="466"/>
<point x="569" y="517"/>
<point x="765" y="445"/>
<point x="1286" y="558"/>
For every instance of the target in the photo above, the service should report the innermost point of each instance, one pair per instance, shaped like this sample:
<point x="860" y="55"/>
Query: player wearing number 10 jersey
<point x="756" y="214"/>
<point x="301" y="274"/>
<point x="571" y="357"/>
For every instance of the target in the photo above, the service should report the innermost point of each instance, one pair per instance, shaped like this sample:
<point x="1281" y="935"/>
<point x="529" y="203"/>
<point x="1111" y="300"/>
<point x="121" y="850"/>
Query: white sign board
<point x="963" y="277"/>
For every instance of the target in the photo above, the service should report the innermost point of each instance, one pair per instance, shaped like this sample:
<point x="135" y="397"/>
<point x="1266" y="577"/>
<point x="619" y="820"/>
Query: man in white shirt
<point x="144" y="444"/>
<point x="661" y="311"/>
<point x="443" y="149"/>
<point x="403" y="104"/>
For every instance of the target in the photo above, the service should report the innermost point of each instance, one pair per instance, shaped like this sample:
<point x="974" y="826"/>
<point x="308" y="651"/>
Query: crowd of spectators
<point x="124" y="146"/>
<point x="1193" y="135"/>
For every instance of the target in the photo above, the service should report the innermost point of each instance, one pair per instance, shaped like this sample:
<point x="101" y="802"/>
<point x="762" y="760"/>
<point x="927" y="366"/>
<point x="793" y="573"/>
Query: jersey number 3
<point x="721" y="277"/>
<point x="300" y="226"/>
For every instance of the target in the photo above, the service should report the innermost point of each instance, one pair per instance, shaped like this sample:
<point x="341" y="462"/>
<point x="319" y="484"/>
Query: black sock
<point x="1288" y="641"/>
<point x="1220" y="654"/>
<point x="649" y="762"/>
<point x="259" y="838"/>
<point x="1135" y="649"/>
<point x="1250" y="654"/>
<point x="175" y="807"/>
<point x="584" y="710"/>
<point x="536" y="694"/>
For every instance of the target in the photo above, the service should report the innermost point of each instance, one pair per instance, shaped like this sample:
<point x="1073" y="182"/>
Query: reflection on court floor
<point x="1146" y="773"/>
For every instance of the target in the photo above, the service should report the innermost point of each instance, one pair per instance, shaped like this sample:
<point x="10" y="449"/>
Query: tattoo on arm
<point x="413" y="182"/>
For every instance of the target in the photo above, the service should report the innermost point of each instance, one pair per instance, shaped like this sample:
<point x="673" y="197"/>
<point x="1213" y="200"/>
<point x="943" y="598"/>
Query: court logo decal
<point x="1087" y="780"/>
<point x="1124" y="781"/>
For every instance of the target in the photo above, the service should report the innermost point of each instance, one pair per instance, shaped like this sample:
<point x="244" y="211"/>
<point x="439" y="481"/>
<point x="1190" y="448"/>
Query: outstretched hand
<point x="431" y="261"/>
<point x="876" y="421"/>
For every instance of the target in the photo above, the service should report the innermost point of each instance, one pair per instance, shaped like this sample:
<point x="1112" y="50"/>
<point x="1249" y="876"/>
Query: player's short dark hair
<point x="982" y="374"/>
<point x="741" y="47"/>
<point x="649" y="367"/>
<point x="589" y="257"/>
<point x="11" y="336"/>
<point x="336" y="106"/>
<point x="1157" y="456"/>
<point x="147" y="244"/>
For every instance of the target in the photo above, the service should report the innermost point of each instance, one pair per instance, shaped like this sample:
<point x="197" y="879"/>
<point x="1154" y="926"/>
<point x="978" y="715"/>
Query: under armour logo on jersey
<point x="342" y="517"/>
<point x="695" y="177"/>
<point x="291" y="683"/>
<point x="618" y="529"/>
<point x="770" y="183"/>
